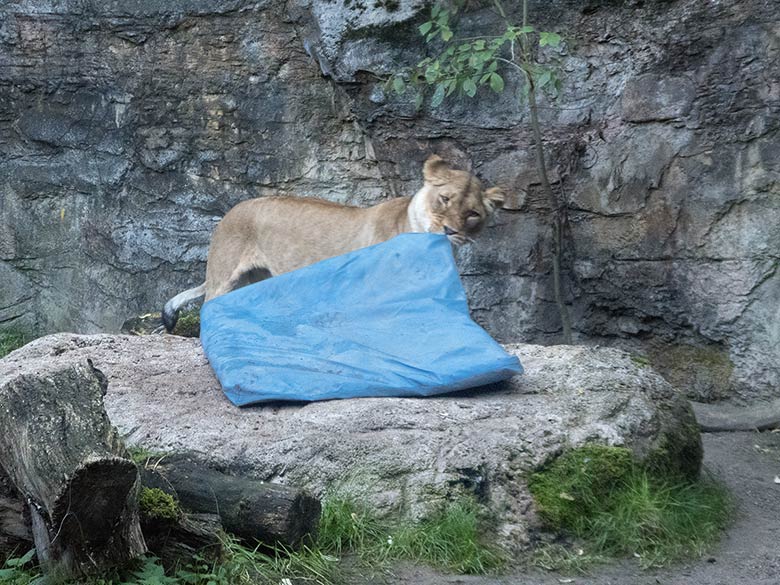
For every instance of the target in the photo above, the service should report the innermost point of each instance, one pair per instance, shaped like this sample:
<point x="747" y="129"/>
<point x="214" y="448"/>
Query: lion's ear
<point x="434" y="169"/>
<point x="494" y="198"/>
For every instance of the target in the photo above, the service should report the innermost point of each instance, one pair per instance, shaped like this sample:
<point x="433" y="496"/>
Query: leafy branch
<point x="465" y="64"/>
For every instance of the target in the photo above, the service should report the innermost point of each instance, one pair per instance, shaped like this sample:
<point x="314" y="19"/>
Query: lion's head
<point x="456" y="203"/>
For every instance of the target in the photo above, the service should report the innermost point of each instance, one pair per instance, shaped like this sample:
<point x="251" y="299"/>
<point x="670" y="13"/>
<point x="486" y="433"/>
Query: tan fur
<point x="268" y="236"/>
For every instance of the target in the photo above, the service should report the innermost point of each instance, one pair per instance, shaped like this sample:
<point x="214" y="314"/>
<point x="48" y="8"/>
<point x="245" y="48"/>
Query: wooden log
<point x="15" y="535"/>
<point x="65" y="459"/>
<point x="286" y="515"/>
<point x="177" y="542"/>
<point x="253" y="510"/>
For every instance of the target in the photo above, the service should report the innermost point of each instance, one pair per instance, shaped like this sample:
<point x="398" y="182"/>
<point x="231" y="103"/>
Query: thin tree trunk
<point x="556" y="209"/>
<point x="556" y="213"/>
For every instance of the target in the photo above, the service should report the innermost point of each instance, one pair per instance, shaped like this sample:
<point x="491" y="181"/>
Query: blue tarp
<point x="388" y="320"/>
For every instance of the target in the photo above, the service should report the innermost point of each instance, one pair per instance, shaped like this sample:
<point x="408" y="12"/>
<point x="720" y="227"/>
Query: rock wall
<point x="127" y="129"/>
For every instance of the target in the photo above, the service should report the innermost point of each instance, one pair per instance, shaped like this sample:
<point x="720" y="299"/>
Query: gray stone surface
<point x="397" y="453"/>
<point x="717" y="417"/>
<point x="128" y="129"/>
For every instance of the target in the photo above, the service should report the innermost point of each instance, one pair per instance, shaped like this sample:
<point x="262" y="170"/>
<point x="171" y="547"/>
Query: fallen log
<point x="15" y="535"/>
<point x="178" y="541"/>
<point x="253" y="510"/>
<point x="60" y="452"/>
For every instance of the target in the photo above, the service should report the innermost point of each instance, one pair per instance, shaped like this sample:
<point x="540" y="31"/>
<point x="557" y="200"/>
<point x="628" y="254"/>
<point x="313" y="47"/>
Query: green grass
<point x="239" y="565"/>
<point x="449" y="539"/>
<point x="143" y="457"/>
<point x="11" y="340"/>
<point x="617" y="508"/>
<point x="245" y="566"/>
<point x="597" y="495"/>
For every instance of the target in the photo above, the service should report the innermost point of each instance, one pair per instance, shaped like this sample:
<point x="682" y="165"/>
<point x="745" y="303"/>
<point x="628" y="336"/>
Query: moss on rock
<point x="678" y="452"/>
<point x="700" y="372"/>
<point x="188" y="324"/>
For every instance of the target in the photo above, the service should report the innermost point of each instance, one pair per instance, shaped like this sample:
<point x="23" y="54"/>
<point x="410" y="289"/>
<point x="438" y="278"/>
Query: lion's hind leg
<point x="245" y="273"/>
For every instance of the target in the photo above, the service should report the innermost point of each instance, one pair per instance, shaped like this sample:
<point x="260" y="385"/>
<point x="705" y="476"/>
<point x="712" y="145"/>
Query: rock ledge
<point x="398" y="453"/>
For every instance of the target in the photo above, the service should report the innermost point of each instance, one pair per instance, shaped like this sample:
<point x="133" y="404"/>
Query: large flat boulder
<point x="403" y="454"/>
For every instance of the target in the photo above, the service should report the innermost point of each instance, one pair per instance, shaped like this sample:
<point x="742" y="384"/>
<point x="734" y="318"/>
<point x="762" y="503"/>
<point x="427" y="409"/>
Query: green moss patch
<point x="188" y="324"/>
<point x="11" y="340"/>
<point x="618" y="507"/>
<point x="155" y="504"/>
<point x="701" y="372"/>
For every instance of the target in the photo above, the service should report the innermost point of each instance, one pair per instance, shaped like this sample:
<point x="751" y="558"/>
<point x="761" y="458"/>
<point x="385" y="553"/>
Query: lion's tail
<point x="170" y="312"/>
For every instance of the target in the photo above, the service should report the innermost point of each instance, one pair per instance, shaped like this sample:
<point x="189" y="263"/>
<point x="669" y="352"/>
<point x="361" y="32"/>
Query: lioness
<point x="267" y="236"/>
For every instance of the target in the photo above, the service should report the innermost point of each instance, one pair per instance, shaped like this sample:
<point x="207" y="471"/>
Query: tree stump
<point x="60" y="451"/>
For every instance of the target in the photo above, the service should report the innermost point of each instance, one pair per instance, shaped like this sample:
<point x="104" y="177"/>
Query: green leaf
<point x="496" y="43"/>
<point x="21" y="561"/>
<point x="438" y="95"/>
<point x="451" y="85"/>
<point x="446" y="33"/>
<point x="526" y="30"/>
<point x="418" y="101"/>
<point x="425" y="27"/>
<point x="470" y="87"/>
<point x="398" y="85"/>
<point x="435" y="10"/>
<point x="548" y="38"/>
<point x="544" y="78"/>
<point x="496" y="82"/>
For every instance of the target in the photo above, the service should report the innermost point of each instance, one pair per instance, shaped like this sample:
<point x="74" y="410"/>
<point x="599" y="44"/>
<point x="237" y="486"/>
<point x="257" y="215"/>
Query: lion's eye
<point x="444" y="199"/>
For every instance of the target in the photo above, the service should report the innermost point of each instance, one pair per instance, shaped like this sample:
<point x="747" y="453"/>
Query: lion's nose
<point x="448" y="231"/>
